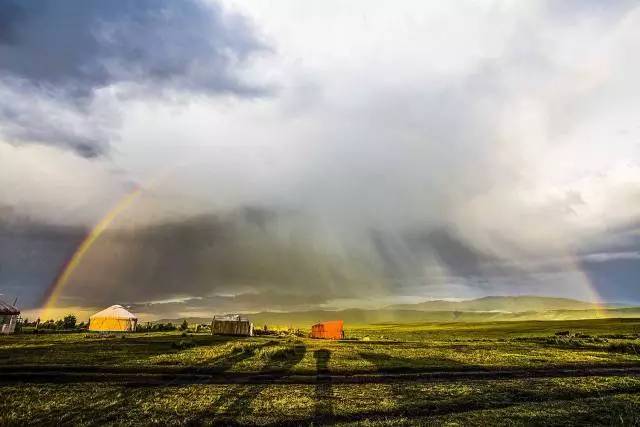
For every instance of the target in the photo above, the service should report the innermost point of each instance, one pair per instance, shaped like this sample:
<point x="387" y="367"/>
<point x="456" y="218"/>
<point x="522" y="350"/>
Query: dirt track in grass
<point x="162" y="376"/>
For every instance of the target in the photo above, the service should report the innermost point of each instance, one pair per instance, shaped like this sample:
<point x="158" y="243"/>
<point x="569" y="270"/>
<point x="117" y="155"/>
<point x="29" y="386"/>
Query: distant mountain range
<point x="487" y="309"/>
<point x="517" y="304"/>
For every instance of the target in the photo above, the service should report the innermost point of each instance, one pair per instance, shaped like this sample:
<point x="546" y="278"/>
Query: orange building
<point x="331" y="330"/>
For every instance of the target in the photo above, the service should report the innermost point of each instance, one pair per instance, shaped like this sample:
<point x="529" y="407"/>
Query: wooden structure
<point x="231" y="324"/>
<point x="8" y="317"/>
<point x="113" y="319"/>
<point x="331" y="330"/>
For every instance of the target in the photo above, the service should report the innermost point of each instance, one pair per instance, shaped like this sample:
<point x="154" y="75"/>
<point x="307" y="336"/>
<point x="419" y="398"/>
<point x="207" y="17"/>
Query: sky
<point x="289" y="155"/>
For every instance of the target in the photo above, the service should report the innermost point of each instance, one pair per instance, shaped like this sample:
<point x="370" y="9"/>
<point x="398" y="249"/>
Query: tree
<point x="185" y="325"/>
<point x="48" y="324"/>
<point x="69" y="321"/>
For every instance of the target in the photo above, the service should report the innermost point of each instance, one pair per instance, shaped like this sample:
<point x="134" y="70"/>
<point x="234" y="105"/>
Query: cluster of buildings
<point x="118" y="319"/>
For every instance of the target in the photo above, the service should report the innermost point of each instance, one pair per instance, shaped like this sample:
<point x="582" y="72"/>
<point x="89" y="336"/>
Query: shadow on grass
<point x="227" y="361"/>
<point x="281" y="361"/>
<point x="92" y="349"/>
<point x="324" y="390"/>
<point x="413" y="402"/>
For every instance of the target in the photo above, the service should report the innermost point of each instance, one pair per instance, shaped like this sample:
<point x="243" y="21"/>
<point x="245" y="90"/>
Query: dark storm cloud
<point x="23" y="120"/>
<point x="80" y="46"/>
<point x="460" y="257"/>
<point x="31" y="255"/>
<point x="615" y="278"/>
<point x="406" y="256"/>
<point x="208" y="256"/>
<point x="60" y="53"/>
<point x="250" y="260"/>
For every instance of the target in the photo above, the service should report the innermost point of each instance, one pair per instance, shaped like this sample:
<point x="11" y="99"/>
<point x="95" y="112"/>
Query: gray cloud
<point x="31" y="255"/>
<point x="570" y="10"/>
<point x="29" y="115"/>
<point x="472" y="167"/>
<point x="218" y="304"/>
<point x="239" y="253"/>
<point x="58" y="56"/>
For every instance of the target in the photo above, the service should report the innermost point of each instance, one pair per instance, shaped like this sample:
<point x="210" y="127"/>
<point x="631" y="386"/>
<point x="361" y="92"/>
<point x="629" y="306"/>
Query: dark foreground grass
<point x="569" y="401"/>
<point x="376" y="349"/>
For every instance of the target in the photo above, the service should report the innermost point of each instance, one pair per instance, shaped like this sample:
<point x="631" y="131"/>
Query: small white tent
<point x="114" y="318"/>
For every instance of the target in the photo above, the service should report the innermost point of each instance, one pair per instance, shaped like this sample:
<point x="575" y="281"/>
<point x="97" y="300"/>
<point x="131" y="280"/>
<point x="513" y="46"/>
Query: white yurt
<point x="115" y="319"/>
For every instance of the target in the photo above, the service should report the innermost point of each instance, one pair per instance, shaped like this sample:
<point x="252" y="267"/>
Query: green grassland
<point x="390" y="358"/>
<point x="372" y="348"/>
<point x="443" y="313"/>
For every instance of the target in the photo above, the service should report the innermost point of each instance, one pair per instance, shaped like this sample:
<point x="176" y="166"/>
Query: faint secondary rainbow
<point x="56" y="288"/>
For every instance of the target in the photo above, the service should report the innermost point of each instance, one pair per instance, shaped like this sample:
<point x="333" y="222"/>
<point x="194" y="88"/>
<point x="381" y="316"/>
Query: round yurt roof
<point x="7" y="309"/>
<point x="114" y="312"/>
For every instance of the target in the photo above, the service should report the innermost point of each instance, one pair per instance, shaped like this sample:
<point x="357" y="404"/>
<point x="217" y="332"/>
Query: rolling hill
<point x="517" y="304"/>
<point x="488" y="309"/>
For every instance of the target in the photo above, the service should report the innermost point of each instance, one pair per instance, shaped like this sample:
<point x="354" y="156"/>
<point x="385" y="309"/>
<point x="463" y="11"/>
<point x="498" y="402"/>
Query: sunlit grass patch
<point x="504" y="345"/>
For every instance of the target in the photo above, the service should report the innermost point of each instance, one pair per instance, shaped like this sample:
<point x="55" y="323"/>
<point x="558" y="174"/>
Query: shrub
<point x="49" y="324"/>
<point x="161" y="327"/>
<point x="69" y="322"/>
<point x="144" y="328"/>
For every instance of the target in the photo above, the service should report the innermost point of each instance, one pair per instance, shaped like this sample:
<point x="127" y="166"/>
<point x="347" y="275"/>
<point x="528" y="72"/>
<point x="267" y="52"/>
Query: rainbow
<point x="55" y="289"/>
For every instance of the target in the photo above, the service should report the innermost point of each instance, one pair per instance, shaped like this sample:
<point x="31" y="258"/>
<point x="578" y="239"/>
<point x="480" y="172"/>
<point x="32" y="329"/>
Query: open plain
<point x="552" y="372"/>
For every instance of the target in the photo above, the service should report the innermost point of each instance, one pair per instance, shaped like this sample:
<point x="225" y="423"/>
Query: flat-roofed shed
<point x="231" y="324"/>
<point x="8" y="317"/>
<point x="330" y="330"/>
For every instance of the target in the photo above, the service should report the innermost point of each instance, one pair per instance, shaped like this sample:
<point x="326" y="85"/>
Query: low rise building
<point x="231" y="324"/>
<point x="9" y="317"/>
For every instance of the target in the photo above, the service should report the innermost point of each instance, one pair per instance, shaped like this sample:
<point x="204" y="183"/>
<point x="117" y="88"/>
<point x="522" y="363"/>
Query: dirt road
<point x="163" y="376"/>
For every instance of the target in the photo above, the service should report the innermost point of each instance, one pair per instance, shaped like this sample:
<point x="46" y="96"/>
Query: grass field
<point x="551" y="372"/>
